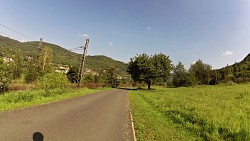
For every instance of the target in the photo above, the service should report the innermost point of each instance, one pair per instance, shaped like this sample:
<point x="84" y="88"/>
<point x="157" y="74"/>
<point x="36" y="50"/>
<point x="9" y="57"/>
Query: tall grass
<point x="27" y="98"/>
<point x="206" y="112"/>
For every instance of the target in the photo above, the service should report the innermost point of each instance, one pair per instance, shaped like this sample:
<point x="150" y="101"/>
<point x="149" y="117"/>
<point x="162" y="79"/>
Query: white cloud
<point x="83" y="35"/>
<point x="86" y="35"/>
<point x="149" y="28"/>
<point x="110" y="43"/>
<point x="227" y="53"/>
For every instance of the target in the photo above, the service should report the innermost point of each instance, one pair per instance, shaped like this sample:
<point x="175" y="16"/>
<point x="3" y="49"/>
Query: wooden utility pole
<point x="39" y="50"/>
<point x="40" y="44"/>
<point x="81" y="70"/>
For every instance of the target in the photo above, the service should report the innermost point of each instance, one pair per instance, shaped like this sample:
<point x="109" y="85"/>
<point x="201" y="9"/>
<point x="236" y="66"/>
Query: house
<point x="62" y="70"/>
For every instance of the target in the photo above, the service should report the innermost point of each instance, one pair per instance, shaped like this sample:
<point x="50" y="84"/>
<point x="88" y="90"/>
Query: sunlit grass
<point x="203" y="113"/>
<point x="28" y="98"/>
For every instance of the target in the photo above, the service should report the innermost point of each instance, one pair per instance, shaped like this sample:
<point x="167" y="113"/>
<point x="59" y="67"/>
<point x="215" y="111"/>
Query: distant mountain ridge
<point x="61" y="56"/>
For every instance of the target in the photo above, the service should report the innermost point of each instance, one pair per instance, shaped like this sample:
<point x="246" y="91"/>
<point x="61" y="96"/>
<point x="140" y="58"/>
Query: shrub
<point x="4" y="85"/>
<point x="72" y="75"/>
<point x="91" y="85"/>
<point x="53" y="80"/>
<point x="4" y="77"/>
<point x="18" y="97"/>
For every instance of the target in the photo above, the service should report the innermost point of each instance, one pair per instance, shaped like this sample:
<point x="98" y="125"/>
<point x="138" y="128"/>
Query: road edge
<point x="132" y="121"/>
<point x="51" y="102"/>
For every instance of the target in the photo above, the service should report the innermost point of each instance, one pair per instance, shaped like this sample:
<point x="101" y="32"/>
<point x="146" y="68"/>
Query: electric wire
<point x="11" y="29"/>
<point x="76" y="48"/>
<point x="10" y="36"/>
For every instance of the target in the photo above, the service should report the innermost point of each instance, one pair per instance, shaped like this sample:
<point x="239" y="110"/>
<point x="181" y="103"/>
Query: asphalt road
<point x="103" y="116"/>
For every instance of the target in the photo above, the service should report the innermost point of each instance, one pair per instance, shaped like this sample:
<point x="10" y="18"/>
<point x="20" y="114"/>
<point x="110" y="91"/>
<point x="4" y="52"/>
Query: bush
<point x="242" y="80"/>
<point x="91" y="85"/>
<point x="16" y="97"/>
<point x="72" y="75"/>
<point x="4" y="77"/>
<point x="4" y="85"/>
<point x="52" y="81"/>
<point x="29" y="77"/>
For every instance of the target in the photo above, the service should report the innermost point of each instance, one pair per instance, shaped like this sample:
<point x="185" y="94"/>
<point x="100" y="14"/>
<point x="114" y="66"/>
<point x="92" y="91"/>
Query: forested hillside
<point x="61" y="56"/>
<point x="238" y="72"/>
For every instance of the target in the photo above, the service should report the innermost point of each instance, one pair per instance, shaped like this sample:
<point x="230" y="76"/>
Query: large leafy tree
<point x="201" y="72"/>
<point x="144" y="68"/>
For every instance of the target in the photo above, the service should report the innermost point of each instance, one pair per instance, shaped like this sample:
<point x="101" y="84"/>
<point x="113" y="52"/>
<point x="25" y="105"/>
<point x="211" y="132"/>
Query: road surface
<point x="103" y="116"/>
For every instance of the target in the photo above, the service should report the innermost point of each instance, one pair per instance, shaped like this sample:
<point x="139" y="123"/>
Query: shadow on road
<point x="37" y="136"/>
<point x="133" y="88"/>
<point x="128" y="88"/>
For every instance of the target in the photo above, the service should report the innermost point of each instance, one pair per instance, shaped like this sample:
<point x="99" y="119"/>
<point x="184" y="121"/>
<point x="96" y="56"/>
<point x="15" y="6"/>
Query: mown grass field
<point x="28" y="98"/>
<point x="194" y="113"/>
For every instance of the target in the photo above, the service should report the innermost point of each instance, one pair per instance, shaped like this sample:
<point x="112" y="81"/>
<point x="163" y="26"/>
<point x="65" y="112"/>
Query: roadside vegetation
<point x="28" y="98"/>
<point x="48" y="87"/>
<point x="218" y="112"/>
<point x="159" y="70"/>
<point x="37" y="82"/>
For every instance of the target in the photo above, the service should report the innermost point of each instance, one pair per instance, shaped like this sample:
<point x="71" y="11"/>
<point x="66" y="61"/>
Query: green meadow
<point x="192" y="113"/>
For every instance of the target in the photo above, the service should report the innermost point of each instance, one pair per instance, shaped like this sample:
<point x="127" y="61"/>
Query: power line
<point x="10" y="36"/>
<point x="16" y="31"/>
<point x="77" y="48"/>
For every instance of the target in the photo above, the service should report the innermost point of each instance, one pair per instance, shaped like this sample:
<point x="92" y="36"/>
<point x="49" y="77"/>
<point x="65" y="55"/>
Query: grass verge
<point x="28" y="98"/>
<point x="199" y="113"/>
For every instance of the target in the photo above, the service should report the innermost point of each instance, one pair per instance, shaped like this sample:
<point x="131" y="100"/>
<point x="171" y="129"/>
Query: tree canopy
<point x="201" y="72"/>
<point x="144" y="68"/>
<point x="180" y="76"/>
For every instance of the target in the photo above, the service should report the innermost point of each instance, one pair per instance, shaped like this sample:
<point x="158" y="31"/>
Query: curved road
<point x="102" y="116"/>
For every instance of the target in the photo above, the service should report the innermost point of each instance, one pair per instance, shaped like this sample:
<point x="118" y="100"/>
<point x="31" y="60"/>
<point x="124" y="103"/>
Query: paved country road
<point x="103" y="116"/>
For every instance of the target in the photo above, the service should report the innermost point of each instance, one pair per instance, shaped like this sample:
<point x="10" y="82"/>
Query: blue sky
<point x="215" y="31"/>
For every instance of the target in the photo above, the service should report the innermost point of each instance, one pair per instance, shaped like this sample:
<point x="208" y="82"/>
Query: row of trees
<point x="159" y="68"/>
<point x="38" y="67"/>
<point x="31" y="67"/>
<point x="238" y="72"/>
<point x="199" y="73"/>
<point x="105" y="77"/>
<point x="142" y="68"/>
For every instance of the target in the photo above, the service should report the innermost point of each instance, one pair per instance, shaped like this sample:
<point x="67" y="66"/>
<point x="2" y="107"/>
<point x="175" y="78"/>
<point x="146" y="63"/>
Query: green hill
<point x="61" y="56"/>
<point x="238" y="72"/>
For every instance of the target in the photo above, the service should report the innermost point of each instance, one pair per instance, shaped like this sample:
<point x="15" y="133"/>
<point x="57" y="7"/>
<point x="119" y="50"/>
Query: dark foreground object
<point x="101" y="116"/>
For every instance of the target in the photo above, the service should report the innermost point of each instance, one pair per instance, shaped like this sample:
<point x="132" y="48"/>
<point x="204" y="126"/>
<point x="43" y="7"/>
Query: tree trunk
<point x="149" y="84"/>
